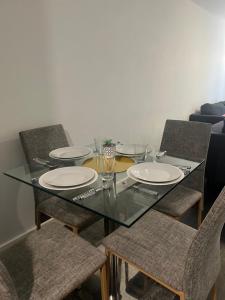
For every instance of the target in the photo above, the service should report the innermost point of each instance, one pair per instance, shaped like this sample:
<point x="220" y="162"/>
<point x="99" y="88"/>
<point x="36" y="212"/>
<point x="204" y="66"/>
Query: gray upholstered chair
<point x="187" y="140"/>
<point x="39" y="142"/>
<point x="182" y="260"/>
<point x="49" y="264"/>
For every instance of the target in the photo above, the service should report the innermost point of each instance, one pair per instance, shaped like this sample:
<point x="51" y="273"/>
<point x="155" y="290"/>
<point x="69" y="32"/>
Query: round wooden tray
<point x="121" y="165"/>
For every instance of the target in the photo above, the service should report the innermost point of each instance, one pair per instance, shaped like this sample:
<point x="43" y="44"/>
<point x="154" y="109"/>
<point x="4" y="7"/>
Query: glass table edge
<point x="98" y="213"/>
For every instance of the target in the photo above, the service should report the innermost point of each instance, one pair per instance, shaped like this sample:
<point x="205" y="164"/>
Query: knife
<point x="145" y="190"/>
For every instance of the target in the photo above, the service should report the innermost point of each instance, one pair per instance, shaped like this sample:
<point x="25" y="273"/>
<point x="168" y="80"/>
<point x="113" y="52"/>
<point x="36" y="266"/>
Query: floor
<point x="91" y="289"/>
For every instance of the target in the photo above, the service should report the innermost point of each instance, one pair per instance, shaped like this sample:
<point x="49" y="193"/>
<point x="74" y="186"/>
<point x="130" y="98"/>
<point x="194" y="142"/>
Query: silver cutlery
<point x="34" y="180"/>
<point x="45" y="163"/>
<point x="160" y="154"/>
<point x="183" y="167"/>
<point x="87" y="194"/>
<point x="145" y="190"/>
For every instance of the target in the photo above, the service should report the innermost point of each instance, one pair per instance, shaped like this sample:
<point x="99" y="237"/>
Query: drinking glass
<point x="143" y="157"/>
<point x="108" y="161"/>
<point x="108" y="167"/>
<point x="98" y="145"/>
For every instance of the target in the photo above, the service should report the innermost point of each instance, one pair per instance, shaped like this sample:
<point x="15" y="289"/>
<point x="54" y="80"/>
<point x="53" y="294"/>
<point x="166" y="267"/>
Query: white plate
<point x="155" y="172"/>
<point x="50" y="187"/>
<point x="155" y="183"/>
<point x="68" y="176"/>
<point x="131" y="149"/>
<point x="70" y="152"/>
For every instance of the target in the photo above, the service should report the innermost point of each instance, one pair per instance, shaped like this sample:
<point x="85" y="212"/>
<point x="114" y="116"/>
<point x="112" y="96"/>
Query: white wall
<point x="26" y="102"/>
<point x="128" y="65"/>
<point x="113" y="68"/>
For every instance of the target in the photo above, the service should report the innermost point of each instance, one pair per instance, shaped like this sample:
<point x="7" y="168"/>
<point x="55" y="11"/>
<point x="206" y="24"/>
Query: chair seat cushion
<point x="50" y="263"/>
<point x="7" y="288"/>
<point x="153" y="245"/>
<point x="67" y="213"/>
<point x="178" y="201"/>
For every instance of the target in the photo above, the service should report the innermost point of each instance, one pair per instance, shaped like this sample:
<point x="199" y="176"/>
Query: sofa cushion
<point x="219" y="127"/>
<point x="213" y="109"/>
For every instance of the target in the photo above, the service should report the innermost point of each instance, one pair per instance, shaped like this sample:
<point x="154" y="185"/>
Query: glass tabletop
<point x="124" y="202"/>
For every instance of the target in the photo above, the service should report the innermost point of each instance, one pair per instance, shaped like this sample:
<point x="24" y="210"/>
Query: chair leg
<point x="38" y="219"/>
<point x="104" y="283"/>
<point x="119" y="272"/>
<point x="108" y="269"/>
<point x="199" y="217"/>
<point x="75" y="230"/>
<point x="213" y="292"/>
<point x="126" y="273"/>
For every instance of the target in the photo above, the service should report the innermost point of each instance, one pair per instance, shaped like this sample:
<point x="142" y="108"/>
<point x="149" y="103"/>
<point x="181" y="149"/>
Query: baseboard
<point x="18" y="237"/>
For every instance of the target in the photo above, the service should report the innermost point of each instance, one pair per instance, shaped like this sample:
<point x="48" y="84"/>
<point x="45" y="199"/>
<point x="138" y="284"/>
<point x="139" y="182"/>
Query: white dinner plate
<point x="130" y="175"/>
<point x="70" y="152"/>
<point x="155" y="172"/>
<point x="68" y="176"/>
<point x="131" y="149"/>
<point x="51" y="187"/>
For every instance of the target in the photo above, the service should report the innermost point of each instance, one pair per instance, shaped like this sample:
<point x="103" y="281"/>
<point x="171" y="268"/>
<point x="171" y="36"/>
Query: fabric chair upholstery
<point x="68" y="213"/>
<point x="151" y="244"/>
<point x="39" y="142"/>
<point x="47" y="264"/>
<point x="178" y="201"/>
<point x="7" y="288"/>
<point x="187" y="140"/>
<point x="172" y="253"/>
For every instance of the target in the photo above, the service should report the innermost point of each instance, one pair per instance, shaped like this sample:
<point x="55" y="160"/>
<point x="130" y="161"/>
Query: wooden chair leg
<point x="104" y="283"/>
<point x="75" y="230"/>
<point x="108" y="269"/>
<point x="126" y="273"/>
<point x="213" y="292"/>
<point x="119" y="272"/>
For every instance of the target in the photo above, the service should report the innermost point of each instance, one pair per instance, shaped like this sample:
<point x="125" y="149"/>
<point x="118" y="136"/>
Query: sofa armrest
<point x="206" y="118"/>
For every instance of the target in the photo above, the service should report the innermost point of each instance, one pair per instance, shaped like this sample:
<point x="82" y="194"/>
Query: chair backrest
<point x="39" y="142"/>
<point x="203" y="260"/>
<point x="7" y="288"/>
<point x="188" y="140"/>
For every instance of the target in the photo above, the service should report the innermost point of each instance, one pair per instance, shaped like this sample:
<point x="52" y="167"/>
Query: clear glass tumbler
<point x="108" y="162"/>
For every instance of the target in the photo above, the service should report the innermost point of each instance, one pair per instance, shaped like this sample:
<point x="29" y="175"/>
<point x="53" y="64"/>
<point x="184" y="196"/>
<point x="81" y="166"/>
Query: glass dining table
<point x="122" y="203"/>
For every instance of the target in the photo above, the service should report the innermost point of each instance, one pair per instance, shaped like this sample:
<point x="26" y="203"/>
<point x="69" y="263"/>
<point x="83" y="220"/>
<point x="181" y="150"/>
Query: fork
<point x="87" y="194"/>
<point x="45" y="163"/>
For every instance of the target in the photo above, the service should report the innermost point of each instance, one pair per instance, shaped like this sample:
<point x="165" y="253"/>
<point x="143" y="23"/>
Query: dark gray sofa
<point x="210" y="113"/>
<point x="215" y="165"/>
